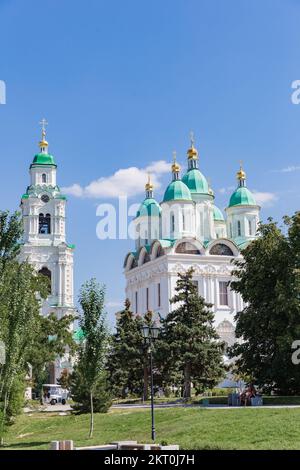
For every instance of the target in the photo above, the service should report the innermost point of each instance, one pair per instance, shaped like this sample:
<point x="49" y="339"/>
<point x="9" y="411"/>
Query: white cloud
<point x="160" y="167"/>
<point x="265" y="199"/>
<point x="74" y="190"/>
<point x="226" y="190"/>
<point x="290" y="169"/>
<point x="124" y="182"/>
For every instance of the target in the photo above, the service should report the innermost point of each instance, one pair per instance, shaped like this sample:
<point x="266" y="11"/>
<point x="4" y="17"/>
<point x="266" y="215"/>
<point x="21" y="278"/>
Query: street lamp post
<point x="150" y="334"/>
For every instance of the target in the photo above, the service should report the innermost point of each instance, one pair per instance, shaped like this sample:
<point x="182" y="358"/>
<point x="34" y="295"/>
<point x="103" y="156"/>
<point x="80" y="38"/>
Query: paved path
<point x="50" y="408"/>
<point x="209" y="407"/>
<point x="66" y="408"/>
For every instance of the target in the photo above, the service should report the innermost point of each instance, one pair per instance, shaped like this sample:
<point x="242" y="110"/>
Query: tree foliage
<point x="10" y="235"/>
<point x="24" y="332"/>
<point x="189" y="347"/>
<point x="20" y="291"/>
<point x="53" y="337"/>
<point x="268" y="279"/>
<point x="92" y="352"/>
<point x="128" y="359"/>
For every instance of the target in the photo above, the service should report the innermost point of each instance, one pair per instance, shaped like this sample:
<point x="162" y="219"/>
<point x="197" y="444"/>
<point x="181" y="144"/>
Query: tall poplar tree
<point x="89" y="372"/>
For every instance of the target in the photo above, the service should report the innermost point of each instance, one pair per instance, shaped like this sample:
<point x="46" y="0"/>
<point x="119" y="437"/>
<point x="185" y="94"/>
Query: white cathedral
<point x="188" y="230"/>
<point x="44" y="246"/>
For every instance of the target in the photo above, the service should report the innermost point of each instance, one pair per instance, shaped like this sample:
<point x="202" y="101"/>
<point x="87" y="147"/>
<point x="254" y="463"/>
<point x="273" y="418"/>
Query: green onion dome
<point x="177" y="191"/>
<point x="43" y="159"/>
<point x="218" y="216"/>
<point x="196" y="181"/>
<point x="149" y="207"/>
<point x="242" y="197"/>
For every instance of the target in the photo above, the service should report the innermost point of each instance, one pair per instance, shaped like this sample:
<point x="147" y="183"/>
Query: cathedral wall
<point x="212" y="273"/>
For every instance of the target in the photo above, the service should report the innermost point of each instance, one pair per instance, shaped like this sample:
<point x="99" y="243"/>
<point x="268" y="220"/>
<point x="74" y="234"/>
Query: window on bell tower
<point x="239" y="228"/>
<point x="172" y="224"/>
<point x="44" y="178"/>
<point x="47" y="273"/>
<point x="45" y="224"/>
<point x="250" y="227"/>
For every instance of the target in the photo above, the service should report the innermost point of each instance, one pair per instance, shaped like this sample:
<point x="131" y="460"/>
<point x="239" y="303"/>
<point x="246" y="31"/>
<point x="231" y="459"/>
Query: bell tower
<point x="43" y="209"/>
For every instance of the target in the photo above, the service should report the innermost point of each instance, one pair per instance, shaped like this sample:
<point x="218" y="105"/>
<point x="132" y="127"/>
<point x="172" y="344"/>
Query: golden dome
<point x="241" y="175"/>
<point x="176" y="167"/>
<point x="43" y="142"/>
<point x="149" y="185"/>
<point x="192" y="153"/>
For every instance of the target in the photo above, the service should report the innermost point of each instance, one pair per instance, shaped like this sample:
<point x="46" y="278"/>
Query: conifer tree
<point x="128" y="364"/>
<point x="189" y="345"/>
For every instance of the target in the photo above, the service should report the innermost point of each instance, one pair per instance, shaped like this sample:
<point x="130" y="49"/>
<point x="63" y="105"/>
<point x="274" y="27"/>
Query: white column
<point x="216" y="294"/>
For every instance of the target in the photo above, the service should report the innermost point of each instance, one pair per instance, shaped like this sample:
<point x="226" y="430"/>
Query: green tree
<point x="92" y="352"/>
<point x="53" y="338"/>
<point x="23" y="330"/>
<point x="11" y="230"/>
<point x="268" y="279"/>
<point x="81" y="392"/>
<point x="189" y="344"/>
<point x="20" y="291"/>
<point x="128" y="362"/>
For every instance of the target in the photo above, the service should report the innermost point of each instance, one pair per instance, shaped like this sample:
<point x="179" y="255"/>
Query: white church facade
<point x="44" y="245"/>
<point x="188" y="230"/>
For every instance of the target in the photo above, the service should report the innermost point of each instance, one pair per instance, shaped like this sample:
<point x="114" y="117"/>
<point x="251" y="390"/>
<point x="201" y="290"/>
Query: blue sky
<point x="122" y="83"/>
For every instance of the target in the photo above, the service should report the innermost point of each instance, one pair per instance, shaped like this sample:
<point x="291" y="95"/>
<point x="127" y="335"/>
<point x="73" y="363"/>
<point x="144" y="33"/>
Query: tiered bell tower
<point x="44" y="244"/>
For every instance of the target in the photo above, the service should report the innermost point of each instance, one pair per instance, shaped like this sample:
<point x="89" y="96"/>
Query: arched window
<point x="133" y="263"/>
<point x="221" y="249"/>
<point x="172" y="224"/>
<point x="160" y="251"/>
<point x="250" y="227"/>
<point x="146" y="258"/>
<point x="45" y="224"/>
<point x="44" y="178"/>
<point x="239" y="228"/>
<point x="138" y="235"/>
<point x="189" y="248"/>
<point x="47" y="273"/>
<point x="226" y="331"/>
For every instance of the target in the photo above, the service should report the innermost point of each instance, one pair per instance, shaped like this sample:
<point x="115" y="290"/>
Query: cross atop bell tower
<point x="43" y="143"/>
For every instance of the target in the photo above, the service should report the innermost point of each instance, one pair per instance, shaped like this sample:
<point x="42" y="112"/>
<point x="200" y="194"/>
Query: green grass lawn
<point x="191" y="428"/>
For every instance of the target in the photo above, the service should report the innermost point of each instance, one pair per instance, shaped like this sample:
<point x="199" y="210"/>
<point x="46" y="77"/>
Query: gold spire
<point x="241" y="175"/>
<point x="175" y="167"/>
<point x="149" y="185"/>
<point x="192" y="151"/>
<point x="43" y="143"/>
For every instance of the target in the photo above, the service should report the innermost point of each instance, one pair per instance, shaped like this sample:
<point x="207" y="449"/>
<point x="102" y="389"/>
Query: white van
<point x="54" y="394"/>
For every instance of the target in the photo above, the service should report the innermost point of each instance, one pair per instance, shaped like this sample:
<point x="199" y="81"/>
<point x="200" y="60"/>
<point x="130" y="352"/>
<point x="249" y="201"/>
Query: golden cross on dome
<point x="174" y="156"/>
<point x="43" y="123"/>
<point x="192" y="137"/>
